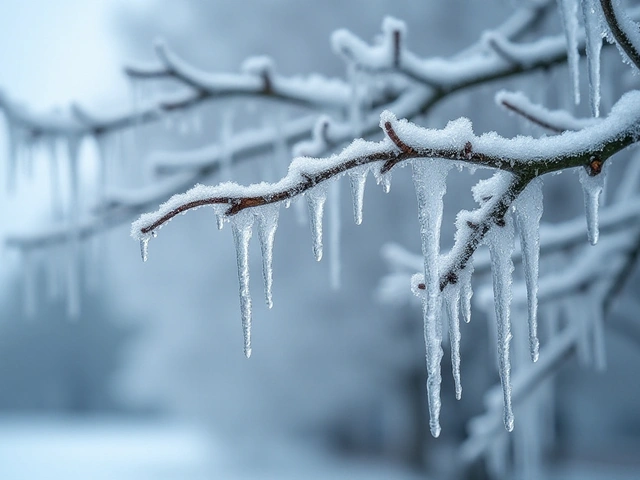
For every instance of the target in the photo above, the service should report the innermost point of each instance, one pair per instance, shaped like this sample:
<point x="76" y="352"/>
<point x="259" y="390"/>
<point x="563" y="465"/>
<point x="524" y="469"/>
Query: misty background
<point x="150" y="380"/>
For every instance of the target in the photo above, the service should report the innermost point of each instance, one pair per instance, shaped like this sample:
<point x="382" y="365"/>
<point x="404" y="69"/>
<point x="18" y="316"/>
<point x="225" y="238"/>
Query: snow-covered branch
<point x="523" y="156"/>
<point x="258" y="78"/>
<point x="624" y="30"/>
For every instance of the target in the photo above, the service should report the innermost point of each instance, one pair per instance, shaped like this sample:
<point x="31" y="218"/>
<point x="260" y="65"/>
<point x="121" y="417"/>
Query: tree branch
<point x="622" y="30"/>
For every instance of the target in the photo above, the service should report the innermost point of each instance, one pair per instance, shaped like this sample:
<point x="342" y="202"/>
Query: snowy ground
<point x="38" y="448"/>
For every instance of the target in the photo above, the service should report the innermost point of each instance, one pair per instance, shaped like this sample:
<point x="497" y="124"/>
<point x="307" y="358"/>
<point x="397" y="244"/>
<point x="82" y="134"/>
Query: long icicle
<point x="528" y="214"/>
<point x="241" y="226"/>
<point x="429" y="178"/>
<point x="267" y="225"/>
<point x="500" y="241"/>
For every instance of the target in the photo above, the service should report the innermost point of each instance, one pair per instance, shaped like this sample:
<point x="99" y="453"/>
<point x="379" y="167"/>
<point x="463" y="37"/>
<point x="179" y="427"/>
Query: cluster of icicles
<point x="429" y="177"/>
<point x="430" y="183"/>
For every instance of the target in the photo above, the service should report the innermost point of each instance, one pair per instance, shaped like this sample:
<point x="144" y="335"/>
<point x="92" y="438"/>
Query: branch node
<point x="595" y="166"/>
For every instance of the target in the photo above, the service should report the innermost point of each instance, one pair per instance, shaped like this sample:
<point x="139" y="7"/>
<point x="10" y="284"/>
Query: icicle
<point x="315" y="200"/>
<point x="569" y="14"/>
<point x="219" y="211"/>
<point x="241" y="225"/>
<point x="267" y="225"/>
<point x="528" y="213"/>
<point x="593" y="30"/>
<point x="592" y="187"/>
<point x="144" y="248"/>
<point x="452" y="300"/>
<point x="29" y="284"/>
<point x="334" y="234"/>
<point x="466" y="291"/>
<point x="383" y="179"/>
<point x="357" y="180"/>
<point x="500" y="241"/>
<point x="429" y="178"/>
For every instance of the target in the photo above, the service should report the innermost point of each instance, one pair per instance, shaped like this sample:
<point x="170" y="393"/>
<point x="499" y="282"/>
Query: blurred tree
<point x="357" y="379"/>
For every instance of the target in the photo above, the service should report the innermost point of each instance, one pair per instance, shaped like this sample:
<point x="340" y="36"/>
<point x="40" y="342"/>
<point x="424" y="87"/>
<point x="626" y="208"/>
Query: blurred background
<point x="149" y="381"/>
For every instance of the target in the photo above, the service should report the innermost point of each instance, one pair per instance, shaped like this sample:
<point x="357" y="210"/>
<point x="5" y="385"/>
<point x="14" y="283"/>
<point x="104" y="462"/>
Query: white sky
<point x="56" y="51"/>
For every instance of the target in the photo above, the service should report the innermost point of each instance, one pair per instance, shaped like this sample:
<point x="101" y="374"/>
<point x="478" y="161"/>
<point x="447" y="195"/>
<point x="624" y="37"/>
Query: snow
<point x="557" y="120"/>
<point x="569" y="14"/>
<point x="241" y="226"/>
<point x="528" y="212"/>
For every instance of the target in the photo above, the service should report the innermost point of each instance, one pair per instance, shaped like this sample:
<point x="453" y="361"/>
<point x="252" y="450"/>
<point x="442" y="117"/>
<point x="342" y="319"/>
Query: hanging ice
<point x="357" y="180"/>
<point x="592" y="187"/>
<point x="144" y="248"/>
<point x="315" y="200"/>
<point x="241" y="226"/>
<point x="593" y="31"/>
<point x="452" y="299"/>
<point x="219" y="211"/>
<point x="528" y="213"/>
<point x="429" y="178"/>
<point x="267" y="225"/>
<point x="569" y="15"/>
<point x="466" y="291"/>
<point x="500" y="242"/>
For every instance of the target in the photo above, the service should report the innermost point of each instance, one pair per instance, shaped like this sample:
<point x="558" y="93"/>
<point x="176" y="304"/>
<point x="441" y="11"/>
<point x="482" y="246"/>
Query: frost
<point x="316" y="198"/>
<point x="267" y="225"/>
<point x="241" y="226"/>
<point x="592" y="187"/>
<point x="569" y="15"/>
<point x="528" y="210"/>
<point x="593" y="33"/>
<point x="500" y="242"/>
<point x="429" y="178"/>
<point x="357" y="180"/>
